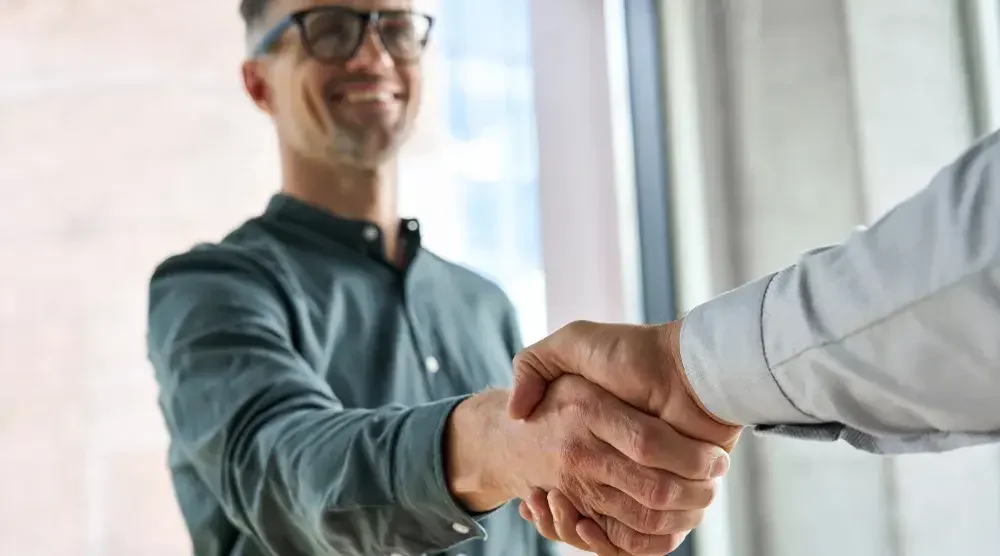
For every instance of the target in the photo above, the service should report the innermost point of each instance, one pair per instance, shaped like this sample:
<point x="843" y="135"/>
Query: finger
<point x="596" y="538"/>
<point x="627" y="541"/>
<point x="525" y="511"/>
<point x="651" y="442"/>
<point x="545" y="361"/>
<point x="529" y="385"/>
<point x="615" y="503"/>
<point x="565" y="517"/>
<point x="538" y="506"/>
<point x="653" y="488"/>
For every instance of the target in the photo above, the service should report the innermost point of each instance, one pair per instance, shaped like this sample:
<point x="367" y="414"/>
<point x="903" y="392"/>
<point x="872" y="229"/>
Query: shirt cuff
<point x="421" y="483"/>
<point x="722" y="350"/>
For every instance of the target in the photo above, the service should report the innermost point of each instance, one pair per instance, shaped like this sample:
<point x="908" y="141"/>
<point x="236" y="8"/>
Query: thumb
<point x="531" y="379"/>
<point x="540" y="364"/>
<point x="529" y="389"/>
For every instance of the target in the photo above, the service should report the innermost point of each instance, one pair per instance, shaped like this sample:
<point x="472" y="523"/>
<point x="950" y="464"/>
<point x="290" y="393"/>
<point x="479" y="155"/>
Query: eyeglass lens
<point x="336" y="34"/>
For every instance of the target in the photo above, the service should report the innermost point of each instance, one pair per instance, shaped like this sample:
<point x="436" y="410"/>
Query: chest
<point x="406" y="342"/>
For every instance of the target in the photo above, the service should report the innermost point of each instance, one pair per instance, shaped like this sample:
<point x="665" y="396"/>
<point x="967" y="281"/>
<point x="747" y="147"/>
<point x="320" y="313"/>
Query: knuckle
<point x="654" y="521"/>
<point x="643" y="442"/>
<point x="665" y="492"/>
<point x="577" y="327"/>
<point x="628" y="540"/>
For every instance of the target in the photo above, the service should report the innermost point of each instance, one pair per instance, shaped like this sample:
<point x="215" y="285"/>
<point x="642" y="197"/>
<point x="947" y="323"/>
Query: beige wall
<point x="124" y="136"/>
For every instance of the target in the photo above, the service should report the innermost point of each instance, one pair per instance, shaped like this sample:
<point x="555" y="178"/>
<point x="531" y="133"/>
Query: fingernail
<point x="720" y="466"/>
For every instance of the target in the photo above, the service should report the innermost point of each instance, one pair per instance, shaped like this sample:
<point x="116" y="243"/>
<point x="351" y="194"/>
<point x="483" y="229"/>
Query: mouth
<point x="368" y="96"/>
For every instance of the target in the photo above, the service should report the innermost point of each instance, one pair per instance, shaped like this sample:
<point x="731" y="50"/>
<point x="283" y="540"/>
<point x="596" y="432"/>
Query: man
<point x="888" y="341"/>
<point x="316" y="365"/>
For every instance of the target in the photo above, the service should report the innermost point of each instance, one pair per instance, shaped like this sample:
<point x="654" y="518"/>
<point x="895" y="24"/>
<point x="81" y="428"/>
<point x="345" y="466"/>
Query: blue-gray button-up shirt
<point x="306" y="383"/>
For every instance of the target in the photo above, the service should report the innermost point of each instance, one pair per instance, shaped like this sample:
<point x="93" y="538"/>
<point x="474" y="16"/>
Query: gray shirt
<point x="306" y="384"/>
<point x="890" y="341"/>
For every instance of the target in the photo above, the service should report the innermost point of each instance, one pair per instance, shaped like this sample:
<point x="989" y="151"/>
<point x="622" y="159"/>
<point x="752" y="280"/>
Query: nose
<point x="371" y="55"/>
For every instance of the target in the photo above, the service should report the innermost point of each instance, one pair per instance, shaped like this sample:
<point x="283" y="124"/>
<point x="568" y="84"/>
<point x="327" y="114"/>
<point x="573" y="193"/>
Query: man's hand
<point x="557" y="519"/>
<point x="641" y="365"/>
<point x="637" y="478"/>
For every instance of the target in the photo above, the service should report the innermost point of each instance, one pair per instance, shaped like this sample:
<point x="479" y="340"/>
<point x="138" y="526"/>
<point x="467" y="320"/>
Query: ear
<point x="256" y="86"/>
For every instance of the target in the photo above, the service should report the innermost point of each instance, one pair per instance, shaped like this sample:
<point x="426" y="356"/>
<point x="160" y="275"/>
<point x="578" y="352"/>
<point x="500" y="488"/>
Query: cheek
<point x="415" y="97"/>
<point x="312" y="106"/>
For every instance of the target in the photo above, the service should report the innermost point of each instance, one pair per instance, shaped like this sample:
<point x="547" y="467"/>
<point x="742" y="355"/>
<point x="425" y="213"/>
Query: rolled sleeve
<point x="723" y="354"/>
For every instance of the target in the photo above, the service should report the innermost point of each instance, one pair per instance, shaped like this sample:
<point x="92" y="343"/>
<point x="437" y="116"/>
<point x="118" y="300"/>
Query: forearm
<point x="889" y="335"/>
<point x="309" y="478"/>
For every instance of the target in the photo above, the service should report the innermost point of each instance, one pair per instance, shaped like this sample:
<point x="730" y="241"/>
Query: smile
<point x="370" y="96"/>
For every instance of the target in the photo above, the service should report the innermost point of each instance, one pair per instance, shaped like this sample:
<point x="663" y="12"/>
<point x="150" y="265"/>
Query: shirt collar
<point x="358" y="235"/>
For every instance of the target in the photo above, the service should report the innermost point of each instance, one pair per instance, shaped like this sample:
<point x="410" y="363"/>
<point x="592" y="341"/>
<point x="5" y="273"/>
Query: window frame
<point x="608" y="250"/>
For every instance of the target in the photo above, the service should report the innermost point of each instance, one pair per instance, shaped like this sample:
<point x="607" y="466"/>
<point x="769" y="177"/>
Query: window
<point x="471" y="176"/>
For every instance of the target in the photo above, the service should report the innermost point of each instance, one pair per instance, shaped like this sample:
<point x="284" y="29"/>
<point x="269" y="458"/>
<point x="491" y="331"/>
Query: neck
<point x="346" y="191"/>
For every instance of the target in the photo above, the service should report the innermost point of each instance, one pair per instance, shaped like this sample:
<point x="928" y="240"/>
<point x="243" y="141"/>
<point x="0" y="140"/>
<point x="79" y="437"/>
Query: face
<point x="355" y="110"/>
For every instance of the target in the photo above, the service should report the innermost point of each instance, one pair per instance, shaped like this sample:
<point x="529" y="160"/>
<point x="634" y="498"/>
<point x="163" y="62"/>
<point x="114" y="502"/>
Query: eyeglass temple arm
<point x="269" y="38"/>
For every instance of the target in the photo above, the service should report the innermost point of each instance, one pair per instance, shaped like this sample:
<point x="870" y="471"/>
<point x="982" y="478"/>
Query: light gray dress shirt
<point x="890" y="341"/>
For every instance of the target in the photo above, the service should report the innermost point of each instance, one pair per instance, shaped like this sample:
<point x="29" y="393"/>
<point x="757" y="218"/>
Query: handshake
<point x="601" y="438"/>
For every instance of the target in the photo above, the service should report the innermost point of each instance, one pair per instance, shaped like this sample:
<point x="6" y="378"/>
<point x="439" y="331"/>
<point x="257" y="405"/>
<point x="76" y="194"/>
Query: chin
<point x="371" y="154"/>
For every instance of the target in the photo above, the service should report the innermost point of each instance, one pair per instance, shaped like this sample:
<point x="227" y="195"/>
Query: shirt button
<point x="370" y="233"/>
<point x="412" y="225"/>
<point x="459" y="528"/>
<point x="432" y="365"/>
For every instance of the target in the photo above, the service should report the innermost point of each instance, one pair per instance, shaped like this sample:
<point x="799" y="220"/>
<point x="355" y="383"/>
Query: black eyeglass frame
<point x="369" y="21"/>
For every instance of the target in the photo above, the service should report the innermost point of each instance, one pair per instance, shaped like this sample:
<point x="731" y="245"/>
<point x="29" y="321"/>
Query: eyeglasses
<point x="333" y="34"/>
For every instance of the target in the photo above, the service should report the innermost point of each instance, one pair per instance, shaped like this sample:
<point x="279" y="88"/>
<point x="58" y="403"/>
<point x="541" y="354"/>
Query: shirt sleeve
<point x="888" y="341"/>
<point x="289" y="464"/>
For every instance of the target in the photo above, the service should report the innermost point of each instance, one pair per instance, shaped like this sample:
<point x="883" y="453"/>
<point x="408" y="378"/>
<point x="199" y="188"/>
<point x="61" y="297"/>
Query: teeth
<point x="369" y="96"/>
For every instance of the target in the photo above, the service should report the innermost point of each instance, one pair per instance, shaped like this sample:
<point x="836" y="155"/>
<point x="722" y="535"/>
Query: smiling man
<point x="331" y="387"/>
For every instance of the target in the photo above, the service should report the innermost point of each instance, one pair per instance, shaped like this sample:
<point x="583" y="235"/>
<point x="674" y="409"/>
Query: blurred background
<point x="616" y="160"/>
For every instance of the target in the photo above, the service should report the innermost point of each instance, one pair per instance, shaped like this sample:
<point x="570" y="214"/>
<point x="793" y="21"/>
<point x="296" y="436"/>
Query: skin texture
<point x="641" y="481"/>
<point x="642" y="366"/>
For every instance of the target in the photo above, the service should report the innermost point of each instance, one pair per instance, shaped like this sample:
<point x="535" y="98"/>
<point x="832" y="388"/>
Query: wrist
<point x="475" y="475"/>
<point x="684" y="400"/>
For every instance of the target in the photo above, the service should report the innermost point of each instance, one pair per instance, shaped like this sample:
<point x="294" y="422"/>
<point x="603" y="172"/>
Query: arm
<point x="888" y="340"/>
<point x="289" y="464"/>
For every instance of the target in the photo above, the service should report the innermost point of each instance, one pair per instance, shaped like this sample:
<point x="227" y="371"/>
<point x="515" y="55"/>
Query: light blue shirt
<point x="890" y="341"/>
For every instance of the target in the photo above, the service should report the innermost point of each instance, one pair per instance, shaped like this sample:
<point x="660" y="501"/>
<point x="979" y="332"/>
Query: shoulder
<point x="244" y="267"/>
<point x="245" y="253"/>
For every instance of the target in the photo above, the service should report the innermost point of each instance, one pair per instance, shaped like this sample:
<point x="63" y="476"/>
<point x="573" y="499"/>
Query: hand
<point x="641" y="365"/>
<point x="557" y="520"/>
<point x="631" y="473"/>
